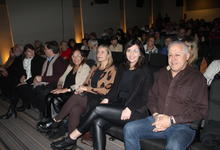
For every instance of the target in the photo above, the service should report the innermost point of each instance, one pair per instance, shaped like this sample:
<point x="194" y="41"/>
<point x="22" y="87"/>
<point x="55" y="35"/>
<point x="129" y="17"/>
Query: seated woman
<point x="65" y="51"/>
<point x="32" y="65"/>
<point x="90" y="94"/>
<point x="125" y="102"/>
<point x="74" y="76"/>
<point x="193" y="47"/>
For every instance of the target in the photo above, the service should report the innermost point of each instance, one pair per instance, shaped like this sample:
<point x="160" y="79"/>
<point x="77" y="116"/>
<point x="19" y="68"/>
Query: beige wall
<point x="207" y="14"/>
<point x="5" y="33"/>
<point x="169" y="7"/>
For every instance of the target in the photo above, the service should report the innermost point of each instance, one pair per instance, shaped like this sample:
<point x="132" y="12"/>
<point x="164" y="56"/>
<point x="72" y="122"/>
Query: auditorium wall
<point x="46" y="20"/>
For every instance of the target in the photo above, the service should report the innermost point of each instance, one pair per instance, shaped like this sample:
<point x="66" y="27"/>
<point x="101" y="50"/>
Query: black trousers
<point x="8" y="85"/>
<point x="39" y="99"/>
<point x="102" y="118"/>
<point x="55" y="102"/>
<point x="23" y="92"/>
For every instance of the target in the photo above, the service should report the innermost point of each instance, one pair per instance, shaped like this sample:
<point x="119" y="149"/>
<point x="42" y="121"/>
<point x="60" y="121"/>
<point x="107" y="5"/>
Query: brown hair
<point x="83" y="56"/>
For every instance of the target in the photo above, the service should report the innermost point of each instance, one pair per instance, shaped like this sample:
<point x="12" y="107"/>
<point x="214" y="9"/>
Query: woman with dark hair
<point x="74" y="76"/>
<point x="125" y="102"/>
<point x="90" y="94"/>
<point x="72" y="44"/>
<point x="32" y="65"/>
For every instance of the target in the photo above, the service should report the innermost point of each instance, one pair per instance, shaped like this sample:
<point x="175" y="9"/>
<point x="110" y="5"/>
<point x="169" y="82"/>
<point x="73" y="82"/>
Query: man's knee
<point x="174" y="145"/>
<point x="129" y="130"/>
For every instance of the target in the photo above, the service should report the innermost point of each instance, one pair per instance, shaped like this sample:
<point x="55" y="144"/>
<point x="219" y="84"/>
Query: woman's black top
<point x="95" y="77"/>
<point x="125" y="85"/>
<point x="70" y="79"/>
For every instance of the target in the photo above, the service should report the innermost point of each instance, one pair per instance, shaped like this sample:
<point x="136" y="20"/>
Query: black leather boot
<point x="11" y="113"/>
<point x="66" y="142"/>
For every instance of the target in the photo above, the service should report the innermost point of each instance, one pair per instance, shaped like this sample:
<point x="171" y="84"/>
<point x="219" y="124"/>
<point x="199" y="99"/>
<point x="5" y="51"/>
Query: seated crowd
<point x="76" y="87"/>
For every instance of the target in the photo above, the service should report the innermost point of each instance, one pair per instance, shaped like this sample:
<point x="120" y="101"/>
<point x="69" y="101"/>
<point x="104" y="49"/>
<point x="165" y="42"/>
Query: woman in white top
<point x="150" y="46"/>
<point x="211" y="71"/>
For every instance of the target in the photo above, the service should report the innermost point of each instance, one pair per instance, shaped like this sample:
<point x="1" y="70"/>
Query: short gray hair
<point x="184" y="46"/>
<point x="93" y="42"/>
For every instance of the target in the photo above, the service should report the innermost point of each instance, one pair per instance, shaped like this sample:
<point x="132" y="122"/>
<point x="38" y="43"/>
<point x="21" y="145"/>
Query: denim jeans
<point x="178" y="136"/>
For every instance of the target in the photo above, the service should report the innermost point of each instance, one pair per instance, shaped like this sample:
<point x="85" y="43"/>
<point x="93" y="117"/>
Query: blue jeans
<point x="178" y="136"/>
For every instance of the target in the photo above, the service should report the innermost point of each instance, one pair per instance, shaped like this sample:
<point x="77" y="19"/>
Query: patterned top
<point x="104" y="83"/>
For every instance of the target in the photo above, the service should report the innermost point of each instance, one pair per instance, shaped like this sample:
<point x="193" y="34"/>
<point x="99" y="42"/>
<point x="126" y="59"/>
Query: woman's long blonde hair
<point x="110" y="59"/>
<point x="193" y="50"/>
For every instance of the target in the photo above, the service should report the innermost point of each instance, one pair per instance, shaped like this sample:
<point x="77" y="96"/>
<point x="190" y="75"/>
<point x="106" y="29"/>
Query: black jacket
<point x="141" y="84"/>
<point x="36" y="68"/>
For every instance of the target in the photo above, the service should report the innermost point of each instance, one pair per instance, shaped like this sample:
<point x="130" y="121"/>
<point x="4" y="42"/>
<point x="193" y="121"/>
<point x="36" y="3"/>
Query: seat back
<point x="214" y="101"/>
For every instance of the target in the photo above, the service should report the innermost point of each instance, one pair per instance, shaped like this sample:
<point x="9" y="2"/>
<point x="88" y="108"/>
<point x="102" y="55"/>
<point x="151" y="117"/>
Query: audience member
<point x="150" y="46"/>
<point x="90" y="94"/>
<point x="178" y="98"/>
<point x="115" y="46"/>
<point x="93" y="46"/>
<point x="181" y="34"/>
<point x="32" y="65"/>
<point x="125" y="101"/>
<point x="121" y="36"/>
<point x="193" y="49"/>
<point x="167" y="41"/>
<point x="52" y="69"/>
<point x="74" y="76"/>
<point x="65" y="52"/>
<point x="11" y="72"/>
<point x="72" y="44"/>
<point x="39" y="48"/>
<point x="143" y="38"/>
<point x="85" y="45"/>
<point x="159" y="41"/>
<point x="211" y="71"/>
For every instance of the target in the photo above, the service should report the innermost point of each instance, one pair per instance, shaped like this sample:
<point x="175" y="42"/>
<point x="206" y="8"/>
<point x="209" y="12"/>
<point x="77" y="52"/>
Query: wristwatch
<point x="70" y="90"/>
<point x="172" y="121"/>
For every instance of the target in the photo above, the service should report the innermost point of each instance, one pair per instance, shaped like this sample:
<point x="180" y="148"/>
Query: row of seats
<point x="154" y="61"/>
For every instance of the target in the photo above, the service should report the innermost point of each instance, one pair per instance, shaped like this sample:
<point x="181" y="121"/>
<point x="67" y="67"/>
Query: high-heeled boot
<point x="11" y="113"/>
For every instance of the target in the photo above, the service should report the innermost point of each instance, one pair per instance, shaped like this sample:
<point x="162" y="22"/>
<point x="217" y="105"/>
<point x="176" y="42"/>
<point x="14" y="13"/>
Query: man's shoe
<point x="66" y="142"/>
<point x="9" y="114"/>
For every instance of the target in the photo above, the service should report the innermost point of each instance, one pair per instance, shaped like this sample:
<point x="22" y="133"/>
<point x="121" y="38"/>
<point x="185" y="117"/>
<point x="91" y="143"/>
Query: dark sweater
<point x="185" y="96"/>
<point x="36" y="67"/>
<point x="59" y="67"/>
<point x="140" y="85"/>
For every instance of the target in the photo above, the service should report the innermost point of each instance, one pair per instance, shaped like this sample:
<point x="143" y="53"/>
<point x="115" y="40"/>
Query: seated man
<point x="53" y="67"/>
<point x="178" y="97"/>
<point x="115" y="46"/>
<point x="11" y="71"/>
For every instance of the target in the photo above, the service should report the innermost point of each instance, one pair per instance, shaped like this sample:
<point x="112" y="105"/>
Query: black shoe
<point x="9" y="114"/>
<point x="66" y="142"/>
<point x="47" y="125"/>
